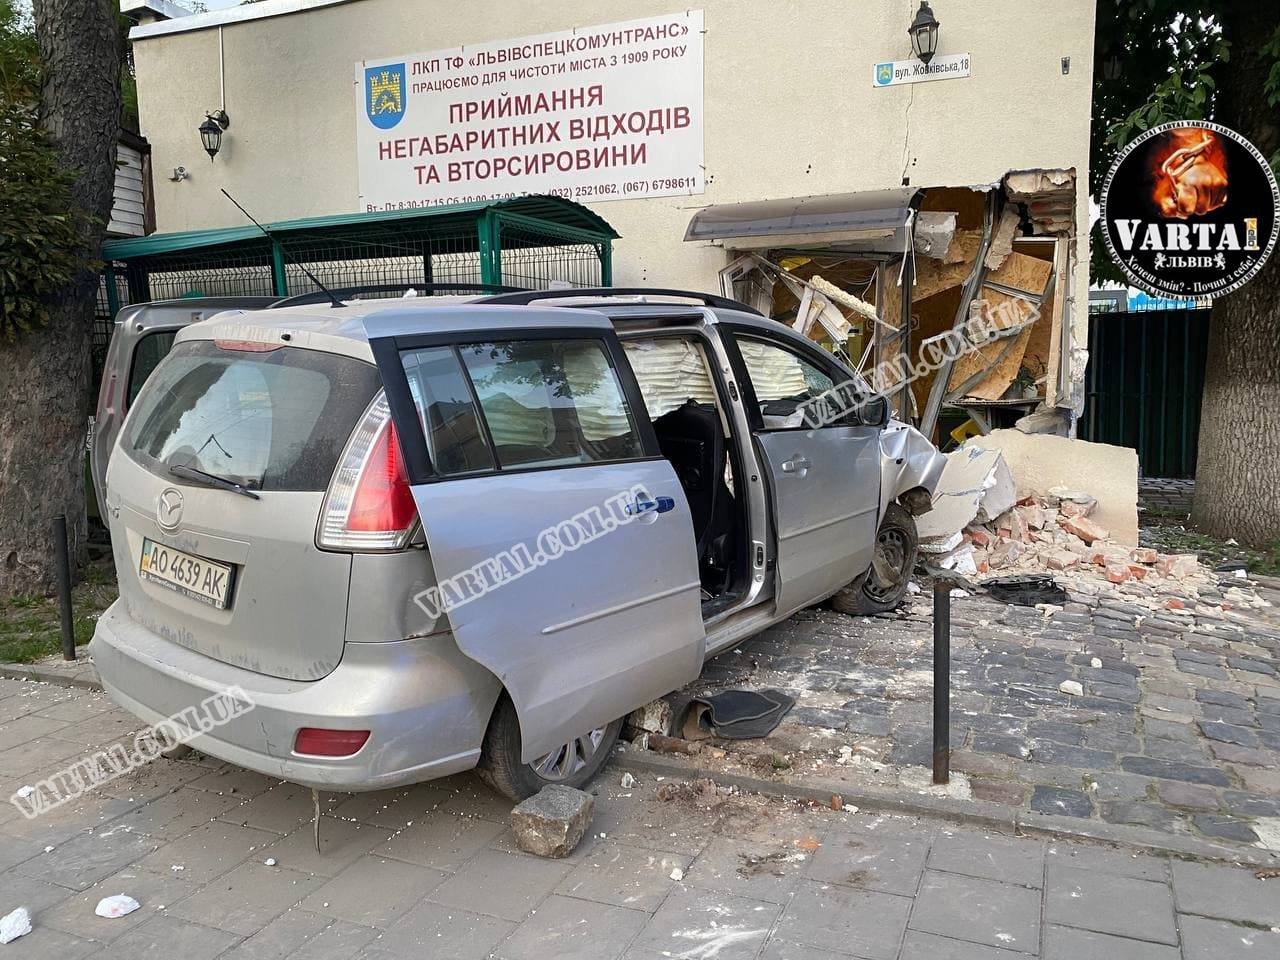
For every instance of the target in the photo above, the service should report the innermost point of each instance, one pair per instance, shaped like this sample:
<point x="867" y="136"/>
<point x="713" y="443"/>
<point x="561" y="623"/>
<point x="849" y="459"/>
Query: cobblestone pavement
<point x="1177" y="729"/>
<point x="1165" y="495"/>
<point x="431" y="871"/>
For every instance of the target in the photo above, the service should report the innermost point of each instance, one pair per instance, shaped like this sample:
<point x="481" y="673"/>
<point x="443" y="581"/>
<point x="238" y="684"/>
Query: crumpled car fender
<point x="908" y="463"/>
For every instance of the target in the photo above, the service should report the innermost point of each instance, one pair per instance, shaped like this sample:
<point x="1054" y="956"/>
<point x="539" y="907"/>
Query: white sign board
<point x="897" y="72"/>
<point x="594" y="113"/>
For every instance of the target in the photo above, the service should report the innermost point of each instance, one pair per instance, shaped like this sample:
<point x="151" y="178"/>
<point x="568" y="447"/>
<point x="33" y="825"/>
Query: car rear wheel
<point x="572" y="764"/>
<point x="884" y="584"/>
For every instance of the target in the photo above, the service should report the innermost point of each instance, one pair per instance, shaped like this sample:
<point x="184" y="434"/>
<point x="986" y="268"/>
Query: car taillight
<point x="319" y="742"/>
<point x="369" y="505"/>
<point x="106" y="394"/>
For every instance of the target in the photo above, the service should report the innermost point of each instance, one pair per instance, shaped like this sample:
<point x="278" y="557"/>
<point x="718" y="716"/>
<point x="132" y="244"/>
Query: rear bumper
<point x="425" y="704"/>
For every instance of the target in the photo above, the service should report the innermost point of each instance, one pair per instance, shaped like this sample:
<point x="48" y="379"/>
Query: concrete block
<point x="552" y="821"/>
<point x="1107" y="473"/>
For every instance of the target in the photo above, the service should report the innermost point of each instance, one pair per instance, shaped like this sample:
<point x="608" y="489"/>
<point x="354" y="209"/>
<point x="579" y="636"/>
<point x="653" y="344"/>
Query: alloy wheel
<point x="564" y="761"/>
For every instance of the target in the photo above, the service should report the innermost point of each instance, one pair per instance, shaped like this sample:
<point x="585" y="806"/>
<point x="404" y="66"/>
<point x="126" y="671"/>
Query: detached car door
<point x="560" y="538"/>
<point x="823" y="463"/>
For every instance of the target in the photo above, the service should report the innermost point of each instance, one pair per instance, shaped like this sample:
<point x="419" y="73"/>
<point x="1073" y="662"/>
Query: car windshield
<point x="272" y="419"/>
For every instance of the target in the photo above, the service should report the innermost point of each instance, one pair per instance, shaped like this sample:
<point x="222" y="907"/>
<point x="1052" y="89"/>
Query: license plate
<point x="204" y="580"/>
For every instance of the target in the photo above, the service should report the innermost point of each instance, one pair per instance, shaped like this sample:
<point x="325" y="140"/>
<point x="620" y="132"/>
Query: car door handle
<point x="656" y="505"/>
<point x="796" y="465"/>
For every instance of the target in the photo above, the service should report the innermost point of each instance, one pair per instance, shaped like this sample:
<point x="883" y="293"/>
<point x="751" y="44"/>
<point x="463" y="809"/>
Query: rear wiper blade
<point x="191" y="473"/>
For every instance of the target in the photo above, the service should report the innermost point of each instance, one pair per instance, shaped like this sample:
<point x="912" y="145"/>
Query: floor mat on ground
<point x="1025" y="591"/>
<point x="736" y="714"/>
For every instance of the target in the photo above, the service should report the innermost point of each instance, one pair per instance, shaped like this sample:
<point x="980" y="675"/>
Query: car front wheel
<point x="572" y="764"/>
<point x="884" y="584"/>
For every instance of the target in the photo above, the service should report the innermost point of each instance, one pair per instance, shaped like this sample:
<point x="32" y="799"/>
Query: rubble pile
<point x="1052" y="532"/>
<point x="981" y="525"/>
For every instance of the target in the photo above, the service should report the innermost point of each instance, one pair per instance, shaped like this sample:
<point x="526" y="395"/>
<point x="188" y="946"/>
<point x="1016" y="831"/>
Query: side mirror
<point x="874" y="411"/>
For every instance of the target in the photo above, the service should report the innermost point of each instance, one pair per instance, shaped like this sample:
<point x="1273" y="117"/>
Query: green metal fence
<point x="531" y="242"/>
<point x="1144" y="385"/>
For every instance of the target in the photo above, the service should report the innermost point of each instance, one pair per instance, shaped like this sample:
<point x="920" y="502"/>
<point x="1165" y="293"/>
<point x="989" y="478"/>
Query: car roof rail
<point x="343" y="293"/>
<point x="565" y="293"/>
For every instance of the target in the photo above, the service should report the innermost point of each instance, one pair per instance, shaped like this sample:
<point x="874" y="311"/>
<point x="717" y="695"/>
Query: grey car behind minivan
<point x="423" y="536"/>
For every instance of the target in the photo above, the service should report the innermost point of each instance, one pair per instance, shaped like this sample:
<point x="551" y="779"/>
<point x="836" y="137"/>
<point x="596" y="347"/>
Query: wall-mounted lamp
<point x="211" y="131"/>
<point x="924" y="33"/>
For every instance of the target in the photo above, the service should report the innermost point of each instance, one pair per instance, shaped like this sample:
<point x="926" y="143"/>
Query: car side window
<point x="551" y="403"/>
<point x="791" y="391"/>
<point x="150" y="349"/>
<point x="455" y="440"/>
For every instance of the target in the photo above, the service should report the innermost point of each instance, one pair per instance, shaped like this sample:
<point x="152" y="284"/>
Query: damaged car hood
<point x="908" y="461"/>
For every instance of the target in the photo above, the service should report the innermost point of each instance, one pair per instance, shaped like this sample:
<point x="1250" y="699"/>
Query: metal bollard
<point x="942" y="681"/>
<point x="62" y="568"/>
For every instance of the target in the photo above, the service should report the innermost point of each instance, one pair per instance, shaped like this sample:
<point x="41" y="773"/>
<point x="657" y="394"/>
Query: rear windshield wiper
<point x="191" y="473"/>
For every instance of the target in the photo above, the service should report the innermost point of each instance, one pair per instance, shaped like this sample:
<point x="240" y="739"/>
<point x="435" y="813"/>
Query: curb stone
<point x="979" y="813"/>
<point x="970" y="812"/>
<point x="85" y="679"/>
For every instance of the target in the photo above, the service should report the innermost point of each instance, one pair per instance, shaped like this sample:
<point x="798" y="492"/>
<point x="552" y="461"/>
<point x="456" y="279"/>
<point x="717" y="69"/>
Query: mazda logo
<point x="169" y="509"/>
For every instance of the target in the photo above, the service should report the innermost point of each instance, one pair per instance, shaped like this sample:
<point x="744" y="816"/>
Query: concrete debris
<point x="15" y="924"/>
<point x="1045" y="466"/>
<point x="1083" y="527"/>
<point x="1072" y="688"/>
<point x="1050" y="420"/>
<point x="934" y="232"/>
<point x="941" y="544"/>
<point x="116" y="906"/>
<point x="975" y="485"/>
<point x="653" y="717"/>
<point x="1002" y="239"/>
<point x="1177" y="564"/>
<point x="960" y="560"/>
<point x="1074" y="508"/>
<point x="552" y="821"/>
<point x="1005" y="554"/>
<point x="627" y="782"/>
<point x="1043" y="533"/>
<point x="1061" y="560"/>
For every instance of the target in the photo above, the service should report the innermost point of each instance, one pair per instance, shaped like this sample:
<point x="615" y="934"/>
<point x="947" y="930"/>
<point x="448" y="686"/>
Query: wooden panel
<point x="934" y="276"/>
<point x="1004" y="312"/>
<point x="1023" y="272"/>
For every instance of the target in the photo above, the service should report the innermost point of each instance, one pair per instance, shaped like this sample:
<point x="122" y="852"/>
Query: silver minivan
<point x="421" y="536"/>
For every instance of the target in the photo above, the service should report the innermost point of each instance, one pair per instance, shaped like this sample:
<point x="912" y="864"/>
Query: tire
<point x="897" y="546"/>
<point x="500" y="765"/>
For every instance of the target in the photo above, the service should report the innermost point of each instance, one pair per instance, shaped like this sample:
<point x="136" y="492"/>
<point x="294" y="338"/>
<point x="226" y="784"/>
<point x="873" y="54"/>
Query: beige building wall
<point x="790" y="107"/>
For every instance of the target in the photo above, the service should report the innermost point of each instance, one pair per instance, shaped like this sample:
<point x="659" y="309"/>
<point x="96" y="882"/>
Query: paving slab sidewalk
<point x="433" y="870"/>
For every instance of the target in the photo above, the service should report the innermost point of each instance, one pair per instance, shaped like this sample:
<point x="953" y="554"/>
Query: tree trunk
<point x="1238" y="468"/>
<point x="45" y="376"/>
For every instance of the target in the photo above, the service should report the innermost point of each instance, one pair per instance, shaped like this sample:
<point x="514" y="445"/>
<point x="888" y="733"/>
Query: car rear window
<point x="270" y="420"/>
